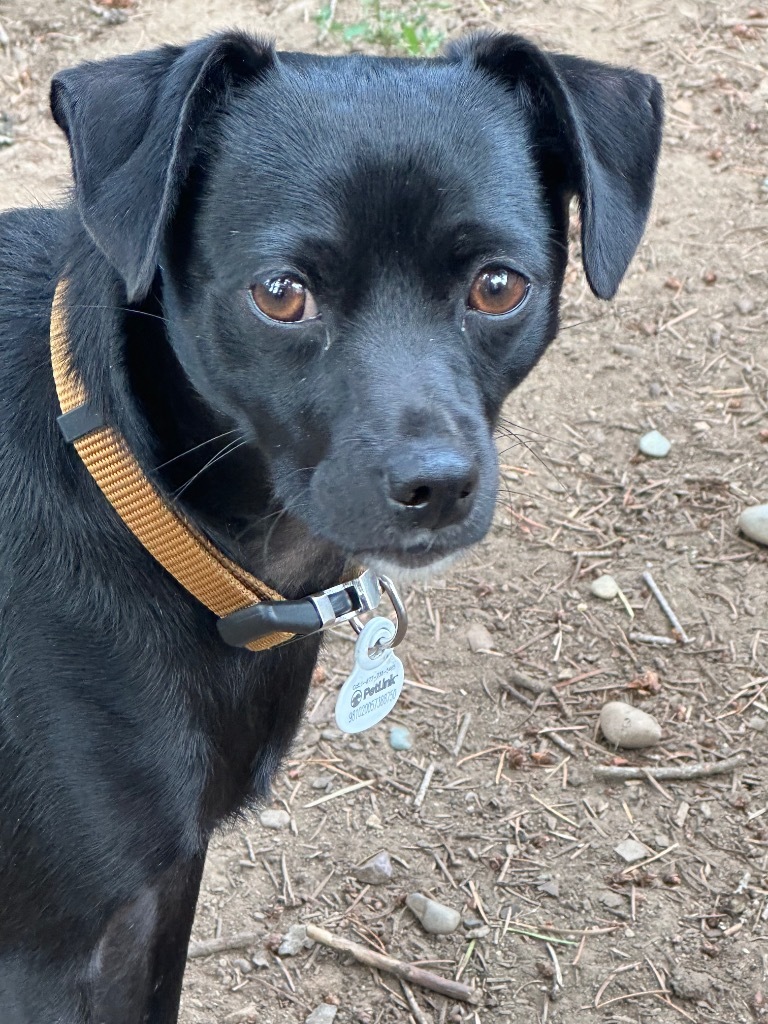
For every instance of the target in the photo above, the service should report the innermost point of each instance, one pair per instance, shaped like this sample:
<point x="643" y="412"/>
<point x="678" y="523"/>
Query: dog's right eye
<point x="285" y="299"/>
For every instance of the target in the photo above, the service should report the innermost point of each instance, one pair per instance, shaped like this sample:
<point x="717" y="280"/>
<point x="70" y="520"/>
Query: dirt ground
<point x="516" y="829"/>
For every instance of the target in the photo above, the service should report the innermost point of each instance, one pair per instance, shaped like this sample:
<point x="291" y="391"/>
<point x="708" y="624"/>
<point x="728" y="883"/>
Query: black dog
<point x="330" y="271"/>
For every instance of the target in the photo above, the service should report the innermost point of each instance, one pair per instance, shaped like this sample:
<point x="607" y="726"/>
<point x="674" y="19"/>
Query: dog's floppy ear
<point x="598" y="129"/>
<point x="133" y="125"/>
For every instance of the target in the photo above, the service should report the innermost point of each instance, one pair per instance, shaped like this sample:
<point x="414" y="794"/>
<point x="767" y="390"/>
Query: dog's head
<point x="359" y="258"/>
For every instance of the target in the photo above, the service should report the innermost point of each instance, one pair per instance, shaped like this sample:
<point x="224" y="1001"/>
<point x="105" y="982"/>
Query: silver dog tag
<point x="376" y="681"/>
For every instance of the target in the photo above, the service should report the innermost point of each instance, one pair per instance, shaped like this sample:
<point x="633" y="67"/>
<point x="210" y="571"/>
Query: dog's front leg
<point x="138" y="966"/>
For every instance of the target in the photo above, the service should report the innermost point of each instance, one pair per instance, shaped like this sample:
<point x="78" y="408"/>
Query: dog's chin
<point x="405" y="572"/>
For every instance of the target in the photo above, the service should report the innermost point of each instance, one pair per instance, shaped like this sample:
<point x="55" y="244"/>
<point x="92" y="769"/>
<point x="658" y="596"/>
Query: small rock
<point x="294" y="940"/>
<point x="244" y="966"/>
<point x="376" y="871"/>
<point x="654" y="389"/>
<point x="550" y="887"/>
<point x="655" y="445"/>
<point x="612" y="900"/>
<point x="692" y="985"/>
<point x="435" y="918"/>
<point x="330" y="735"/>
<point x="757" y="723"/>
<point x="322" y="781"/>
<point x="605" y="587"/>
<point x="479" y="638"/>
<point x="630" y="851"/>
<point x="479" y="933"/>
<point x="745" y="306"/>
<point x="470" y="921"/>
<point x="753" y="523"/>
<point x="661" y="842"/>
<point x="325" y="1013"/>
<point x="628" y="727"/>
<point x="274" y="819"/>
<point x="260" y="960"/>
<point x="400" y="738"/>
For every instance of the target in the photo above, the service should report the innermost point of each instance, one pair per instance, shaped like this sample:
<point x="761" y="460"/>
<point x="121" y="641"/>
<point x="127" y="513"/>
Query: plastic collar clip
<point x="331" y="607"/>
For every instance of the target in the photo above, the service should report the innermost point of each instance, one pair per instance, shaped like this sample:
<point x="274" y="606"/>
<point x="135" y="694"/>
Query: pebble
<point x="400" y="738"/>
<point x="655" y="445"/>
<point x="274" y="819"/>
<point x="294" y="940"/>
<point x="694" y="985"/>
<point x="323" y="781"/>
<point x="757" y="723"/>
<point x="435" y="918"/>
<point x="745" y="306"/>
<point x="325" y="1013"/>
<point x="630" y="851"/>
<point x="654" y="389"/>
<point x="244" y="966"/>
<point x="479" y="638"/>
<point x="376" y="871"/>
<point x="628" y="727"/>
<point x="605" y="587"/>
<point x="612" y="900"/>
<point x="753" y="523"/>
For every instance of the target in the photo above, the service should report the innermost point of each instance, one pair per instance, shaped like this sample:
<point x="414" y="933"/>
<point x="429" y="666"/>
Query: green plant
<point x="395" y="29"/>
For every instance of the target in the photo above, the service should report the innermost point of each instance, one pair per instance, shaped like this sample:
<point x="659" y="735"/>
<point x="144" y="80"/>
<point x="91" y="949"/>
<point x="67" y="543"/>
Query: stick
<point x="415" y="1008"/>
<point x="682" y="774"/>
<point x="418" y="800"/>
<point x="651" y="638"/>
<point x="400" y="969"/>
<point x="664" y="605"/>
<point x="463" y="730"/>
<point x="208" y="946"/>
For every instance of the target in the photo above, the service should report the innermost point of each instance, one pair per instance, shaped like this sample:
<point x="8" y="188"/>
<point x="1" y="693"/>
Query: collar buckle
<point x="331" y="607"/>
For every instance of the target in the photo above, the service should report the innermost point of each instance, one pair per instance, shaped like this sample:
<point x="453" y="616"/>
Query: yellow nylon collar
<point x="194" y="562"/>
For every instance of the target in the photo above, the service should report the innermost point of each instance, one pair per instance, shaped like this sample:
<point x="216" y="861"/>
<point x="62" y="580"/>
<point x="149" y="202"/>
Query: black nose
<point x="431" y="487"/>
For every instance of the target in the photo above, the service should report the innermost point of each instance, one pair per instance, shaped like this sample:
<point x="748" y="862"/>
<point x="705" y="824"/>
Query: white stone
<point x="753" y="523"/>
<point x="294" y="940"/>
<point x="631" y="851"/>
<point x="479" y="638"/>
<point x="605" y="587"/>
<point x="274" y="819"/>
<point x="434" y="917"/>
<point x="655" y="445"/>
<point x="628" y="727"/>
<point x="325" y="1013"/>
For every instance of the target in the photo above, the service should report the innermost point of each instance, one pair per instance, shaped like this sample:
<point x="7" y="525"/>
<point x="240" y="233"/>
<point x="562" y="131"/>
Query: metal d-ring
<point x="393" y="594"/>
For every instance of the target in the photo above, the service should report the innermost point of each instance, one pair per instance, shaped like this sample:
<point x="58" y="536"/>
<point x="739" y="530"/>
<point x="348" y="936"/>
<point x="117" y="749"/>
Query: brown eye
<point x="497" y="290"/>
<point x="285" y="299"/>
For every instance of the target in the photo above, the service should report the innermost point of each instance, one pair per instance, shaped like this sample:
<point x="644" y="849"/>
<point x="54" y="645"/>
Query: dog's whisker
<point x="530" y="430"/>
<point x="227" y="450"/>
<point x="119" y="309"/>
<point x="197" y="447"/>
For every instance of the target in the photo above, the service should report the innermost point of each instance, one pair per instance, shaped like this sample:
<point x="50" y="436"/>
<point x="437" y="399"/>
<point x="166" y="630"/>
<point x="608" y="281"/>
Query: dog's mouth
<point x="414" y="569"/>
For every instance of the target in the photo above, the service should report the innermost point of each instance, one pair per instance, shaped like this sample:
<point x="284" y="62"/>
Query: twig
<point x="418" y="800"/>
<point x="400" y="969"/>
<point x="341" y="792"/>
<point x="665" y="607"/>
<point x="681" y="774"/>
<point x="649" y="860"/>
<point x="462" y="735"/>
<point x="517" y="695"/>
<point x="415" y="1008"/>
<point x="208" y="946"/>
<point x="651" y="638"/>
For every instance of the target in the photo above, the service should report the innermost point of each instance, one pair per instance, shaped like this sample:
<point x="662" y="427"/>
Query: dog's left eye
<point x="285" y="299"/>
<point x="497" y="290"/>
